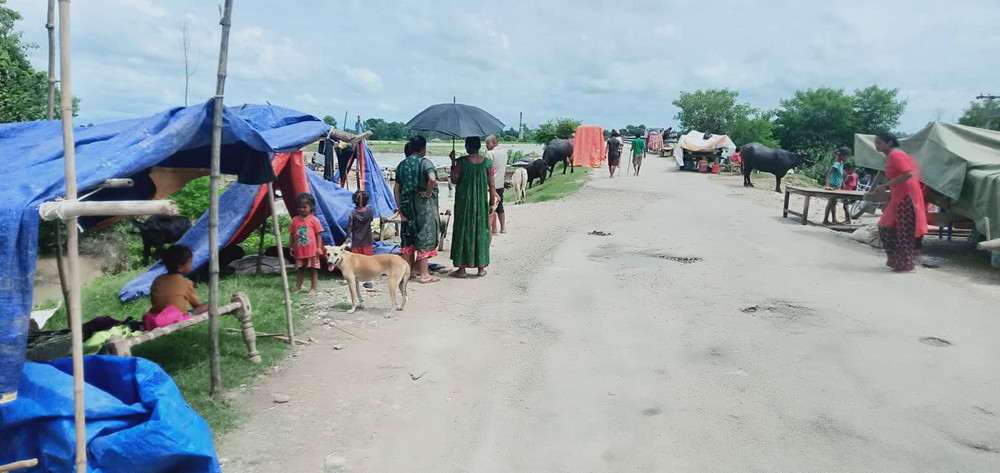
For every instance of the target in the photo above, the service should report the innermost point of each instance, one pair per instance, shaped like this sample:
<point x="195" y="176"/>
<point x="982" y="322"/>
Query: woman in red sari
<point x="904" y="220"/>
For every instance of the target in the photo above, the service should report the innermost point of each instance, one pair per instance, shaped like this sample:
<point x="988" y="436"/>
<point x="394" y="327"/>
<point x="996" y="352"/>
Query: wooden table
<point x="810" y="192"/>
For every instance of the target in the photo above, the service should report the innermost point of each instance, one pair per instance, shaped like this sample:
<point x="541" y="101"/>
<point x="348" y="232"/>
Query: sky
<point x="605" y="63"/>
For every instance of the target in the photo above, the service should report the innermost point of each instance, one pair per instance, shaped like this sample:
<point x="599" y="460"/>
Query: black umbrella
<point x="456" y="120"/>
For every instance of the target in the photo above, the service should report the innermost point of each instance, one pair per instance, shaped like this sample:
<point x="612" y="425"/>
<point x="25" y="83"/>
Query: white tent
<point x="695" y="141"/>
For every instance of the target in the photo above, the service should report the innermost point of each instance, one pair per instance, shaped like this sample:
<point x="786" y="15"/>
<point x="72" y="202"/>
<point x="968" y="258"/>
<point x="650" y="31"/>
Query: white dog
<point x="361" y="268"/>
<point x="518" y="182"/>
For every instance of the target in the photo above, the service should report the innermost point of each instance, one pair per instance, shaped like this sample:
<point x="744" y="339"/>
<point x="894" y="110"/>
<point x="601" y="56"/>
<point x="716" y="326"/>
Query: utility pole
<point x="520" y="127"/>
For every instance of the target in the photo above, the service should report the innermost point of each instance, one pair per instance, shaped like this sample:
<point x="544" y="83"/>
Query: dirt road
<point x="704" y="334"/>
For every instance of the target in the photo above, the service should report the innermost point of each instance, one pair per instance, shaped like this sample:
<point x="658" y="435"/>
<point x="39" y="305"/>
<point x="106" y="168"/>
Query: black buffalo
<point x="757" y="157"/>
<point x="558" y="150"/>
<point x="536" y="170"/>
<point x="158" y="231"/>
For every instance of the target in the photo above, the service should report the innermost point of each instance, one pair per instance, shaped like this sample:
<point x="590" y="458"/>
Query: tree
<point x="561" y="128"/>
<point x="23" y="90"/>
<point x="982" y="114"/>
<point x="329" y="120"/>
<point x="877" y="110"/>
<point x="718" y="111"/>
<point x="816" y="120"/>
<point x="633" y="130"/>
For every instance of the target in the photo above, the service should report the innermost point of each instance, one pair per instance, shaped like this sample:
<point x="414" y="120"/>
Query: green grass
<point x="184" y="354"/>
<point x="558" y="186"/>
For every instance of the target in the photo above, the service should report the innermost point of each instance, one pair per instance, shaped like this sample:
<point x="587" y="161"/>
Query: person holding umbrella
<point x="475" y="202"/>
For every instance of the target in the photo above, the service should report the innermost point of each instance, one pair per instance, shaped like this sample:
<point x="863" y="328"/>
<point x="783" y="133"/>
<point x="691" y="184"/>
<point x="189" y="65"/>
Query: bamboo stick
<point x="72" y="236"/>
<point x="215" y="367"/>
<point x="66" y="209"/>
<point x="50" y="25"/>
<point x="990" y="244"/>
<point x="281" y="263"/>
<point x="19" y="465"/>
<point x="61" y="265"/>
<point x="260" y="244"/>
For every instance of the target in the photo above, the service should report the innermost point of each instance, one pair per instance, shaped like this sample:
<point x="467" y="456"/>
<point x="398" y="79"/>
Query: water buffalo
<point x="159" y="230"/>
<point x="558" y="150"/>
<point x="757" y="157"/>
<point x="536" y="170"/>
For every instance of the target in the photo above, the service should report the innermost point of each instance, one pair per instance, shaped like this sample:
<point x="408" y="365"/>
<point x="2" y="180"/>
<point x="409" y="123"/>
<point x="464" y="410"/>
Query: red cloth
<point x="738" y="159"/>
<point x="896" y="163"/>
<point x="364" y="250"/>
<point x="291" y="171"/>
<point x="306" y="237"/>
<point x="170" y="315"/>
<point x="589" y="147"/>
<point x="850" y="182"/>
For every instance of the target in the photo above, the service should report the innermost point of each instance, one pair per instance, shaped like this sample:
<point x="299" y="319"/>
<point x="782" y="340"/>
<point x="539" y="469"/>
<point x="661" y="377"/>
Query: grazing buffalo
<point x="757" y="157"/>
<point x="558" y="150"/>
<point x="158" y="231"/>
<point x="536" y="170"/>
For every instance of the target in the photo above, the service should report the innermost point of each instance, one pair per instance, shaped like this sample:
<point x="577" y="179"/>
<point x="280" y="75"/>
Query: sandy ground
<point x="706" y="333"/>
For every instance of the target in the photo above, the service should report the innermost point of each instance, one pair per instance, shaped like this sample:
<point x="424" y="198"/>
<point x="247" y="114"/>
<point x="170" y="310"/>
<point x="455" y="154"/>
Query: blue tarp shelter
<point x="143" y="149"/>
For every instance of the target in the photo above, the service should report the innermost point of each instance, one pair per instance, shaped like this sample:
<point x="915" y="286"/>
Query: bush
<point x="250" y="245"/>
<point x="514" y="155"/>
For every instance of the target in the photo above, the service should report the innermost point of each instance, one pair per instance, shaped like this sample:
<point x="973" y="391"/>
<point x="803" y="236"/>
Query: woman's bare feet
<point x="312" y="292"/>
<point x="429" y="280"/>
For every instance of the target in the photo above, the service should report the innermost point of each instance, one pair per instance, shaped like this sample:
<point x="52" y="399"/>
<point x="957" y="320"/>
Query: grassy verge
<point x="184" y="354"/>
<point x="558" y="186"/>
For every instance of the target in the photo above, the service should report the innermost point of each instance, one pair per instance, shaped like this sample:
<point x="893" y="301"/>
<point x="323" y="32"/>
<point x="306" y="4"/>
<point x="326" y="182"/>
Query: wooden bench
<point x="240" y="307"/>
<point x="809" y="193"/>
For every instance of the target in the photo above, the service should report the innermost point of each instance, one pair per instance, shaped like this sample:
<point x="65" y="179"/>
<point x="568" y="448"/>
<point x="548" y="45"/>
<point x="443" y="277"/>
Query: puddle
<point x="935" y="342"/>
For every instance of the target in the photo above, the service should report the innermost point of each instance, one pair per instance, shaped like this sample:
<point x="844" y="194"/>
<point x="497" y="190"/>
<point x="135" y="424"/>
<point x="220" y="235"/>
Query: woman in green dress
<point x="475" y="201"/>
<point x="416" y="194"/>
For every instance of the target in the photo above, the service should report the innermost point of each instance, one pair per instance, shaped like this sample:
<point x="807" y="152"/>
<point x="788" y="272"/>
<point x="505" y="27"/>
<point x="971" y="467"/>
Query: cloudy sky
<point x="606" y="63"/>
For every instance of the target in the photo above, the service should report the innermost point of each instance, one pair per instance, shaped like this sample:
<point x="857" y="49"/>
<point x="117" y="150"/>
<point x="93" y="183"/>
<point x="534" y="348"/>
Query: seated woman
<point x="171" y="294"/>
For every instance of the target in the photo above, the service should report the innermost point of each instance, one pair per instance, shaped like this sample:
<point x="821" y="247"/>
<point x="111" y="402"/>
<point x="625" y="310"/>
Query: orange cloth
<point x="588" y="147"/>
<point x="172" y="290"/>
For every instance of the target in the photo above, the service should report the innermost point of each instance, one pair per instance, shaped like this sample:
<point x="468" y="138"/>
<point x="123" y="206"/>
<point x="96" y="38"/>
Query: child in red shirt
<point x="306" y="241"/>
<point x="850" y="184"/>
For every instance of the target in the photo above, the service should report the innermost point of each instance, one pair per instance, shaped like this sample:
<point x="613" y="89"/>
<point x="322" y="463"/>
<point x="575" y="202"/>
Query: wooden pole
<point x="61" y="265"/>
<point x="213" y="208"/>
<point x="281" y="264"/>
<point x="67" y="208"/>
<point x="260" y="245"/>
<point x="50" y="25"/>
<point x="19" y="465"/>
<point x="72" y="237"/>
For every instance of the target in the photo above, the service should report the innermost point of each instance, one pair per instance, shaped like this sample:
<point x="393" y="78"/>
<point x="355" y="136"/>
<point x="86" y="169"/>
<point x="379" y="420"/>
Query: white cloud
<point x="145" y="7"/>
<point x="387" y="107"/>
<point x="364" y="79"/>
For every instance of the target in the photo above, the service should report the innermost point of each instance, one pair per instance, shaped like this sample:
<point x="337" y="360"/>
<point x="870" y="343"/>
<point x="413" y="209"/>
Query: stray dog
<point x="361" y="268"/>
<point x="518" y="182"/>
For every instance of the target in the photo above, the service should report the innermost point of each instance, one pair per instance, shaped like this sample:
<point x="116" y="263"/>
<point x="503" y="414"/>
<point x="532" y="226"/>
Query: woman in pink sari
<point x="904" y="220"/>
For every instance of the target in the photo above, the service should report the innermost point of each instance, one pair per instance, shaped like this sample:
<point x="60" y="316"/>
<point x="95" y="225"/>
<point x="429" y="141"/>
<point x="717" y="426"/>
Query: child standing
<point x="306" y="240"/>
<point x="850" y="184"/>
<point x="835" y="180"/>
<point x="359" y="225"/>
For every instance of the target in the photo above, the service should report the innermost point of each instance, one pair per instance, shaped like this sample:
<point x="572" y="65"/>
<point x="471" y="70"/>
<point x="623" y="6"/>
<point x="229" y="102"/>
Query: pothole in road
<point x="677" y="259"/>
<point x="935" y="342"/>
<point x="599" y="233"/>
<point x="778" y="309"/>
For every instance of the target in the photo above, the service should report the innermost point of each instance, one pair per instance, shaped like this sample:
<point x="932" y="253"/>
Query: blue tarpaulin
<point x="137" y="421"/>
<point x="33" y="170"/>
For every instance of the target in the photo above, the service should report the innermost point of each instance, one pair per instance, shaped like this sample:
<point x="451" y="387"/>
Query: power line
<point x="987" y="97"/>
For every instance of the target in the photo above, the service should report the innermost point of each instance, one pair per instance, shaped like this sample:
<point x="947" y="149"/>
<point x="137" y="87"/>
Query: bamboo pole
<point x="113" y="208"/>
<point x="72" y="236"/>
<point x="18" y="465"/>
<point x="213" y="209"/>
<point x="281" y="263"/>
<point x="50" y="25"/>
<point x="61" y="265"/>
<point x="260" y="244"/>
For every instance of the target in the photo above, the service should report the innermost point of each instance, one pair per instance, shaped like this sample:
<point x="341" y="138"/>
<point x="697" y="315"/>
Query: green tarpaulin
<point x="960" y="162"/>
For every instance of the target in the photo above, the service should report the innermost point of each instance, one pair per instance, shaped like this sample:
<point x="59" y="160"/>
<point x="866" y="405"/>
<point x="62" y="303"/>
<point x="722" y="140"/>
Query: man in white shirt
<point x="499" y="158"/>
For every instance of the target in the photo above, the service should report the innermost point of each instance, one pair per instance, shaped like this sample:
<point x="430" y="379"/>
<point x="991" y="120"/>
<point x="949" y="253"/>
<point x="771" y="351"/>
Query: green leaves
<point x="982" y="114"/>
<point x="825" y="118"/>
<point x="717" y="111"/>
<point x="561" y="128"/>
<point x="329" y="120"/>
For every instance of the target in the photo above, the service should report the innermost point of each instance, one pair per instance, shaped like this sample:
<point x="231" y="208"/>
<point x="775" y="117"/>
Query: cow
<point x="536" y="170"/>
<point x="158" y="231"/>
<point x="757" y="157"/>
<point x="558" y="150"/>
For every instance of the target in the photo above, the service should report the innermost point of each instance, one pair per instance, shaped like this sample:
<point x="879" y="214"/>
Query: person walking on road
<point x="615" y="145"/>
<point x="904" y="220"/>
<point x="638" y="151"/>
<point x="475" y="201"/>
<point x="417" y="194"/>
<point x="499" y="158"/>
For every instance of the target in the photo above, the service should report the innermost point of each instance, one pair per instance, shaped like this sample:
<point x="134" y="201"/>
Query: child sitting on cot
<point x="172" y="293"/>
<point x="359" y="225"/>
<point x="850" y="184"/>
<point x="306" y="241"/>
